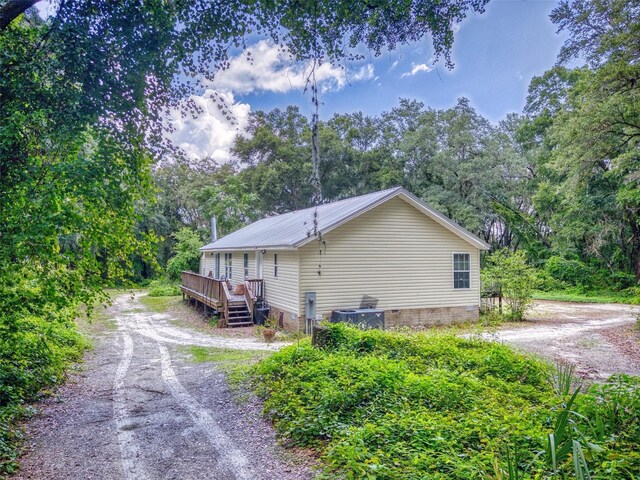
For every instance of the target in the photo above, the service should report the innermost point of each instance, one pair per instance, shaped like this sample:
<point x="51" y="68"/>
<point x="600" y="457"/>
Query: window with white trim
<point x="275" y="265"/>
<point x="461" y="270"/>
<point x="245" y="261"/>
<point x="217" y="265"/>
<point x="227" y="265"/>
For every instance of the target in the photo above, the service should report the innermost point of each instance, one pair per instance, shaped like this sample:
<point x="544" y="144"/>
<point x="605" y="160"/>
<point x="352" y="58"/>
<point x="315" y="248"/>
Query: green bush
<point x="186" y="253"/>
<point x="163" y="288"/>
<point x="396" y="406"/>
<point x="510" y="273"/>
<point x="570" y="272"/>
<point x="34" y="354"/>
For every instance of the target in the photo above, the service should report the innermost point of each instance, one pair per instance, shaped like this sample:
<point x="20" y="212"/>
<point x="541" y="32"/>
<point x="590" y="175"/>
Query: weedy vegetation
<point x="163" y="288"/>
<point x="159" y="304"/>
<point x="380" y="405"/>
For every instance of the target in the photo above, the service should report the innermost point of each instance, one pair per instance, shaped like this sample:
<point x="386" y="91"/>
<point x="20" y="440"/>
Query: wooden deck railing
<point x="253" y="291"/>
<point x="208" y="287"/>
<point x="225" y="302"/>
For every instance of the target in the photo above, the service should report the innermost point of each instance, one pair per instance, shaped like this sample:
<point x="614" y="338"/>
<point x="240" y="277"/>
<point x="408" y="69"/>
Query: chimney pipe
<point x="214" y="229"/>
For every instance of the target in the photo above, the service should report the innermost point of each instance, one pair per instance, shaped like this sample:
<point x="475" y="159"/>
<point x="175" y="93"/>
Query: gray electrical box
<point x="310" y="305"/>
<point x="309" y="311"/>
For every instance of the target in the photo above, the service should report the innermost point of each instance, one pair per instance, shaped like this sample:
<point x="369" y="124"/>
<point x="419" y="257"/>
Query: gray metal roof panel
<point x="293" y="229"/>
<point x="290" y="229"/>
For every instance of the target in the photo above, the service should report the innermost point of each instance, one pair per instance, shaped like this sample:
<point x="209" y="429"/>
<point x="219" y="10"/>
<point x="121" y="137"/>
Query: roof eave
<point x="248" y="248"/>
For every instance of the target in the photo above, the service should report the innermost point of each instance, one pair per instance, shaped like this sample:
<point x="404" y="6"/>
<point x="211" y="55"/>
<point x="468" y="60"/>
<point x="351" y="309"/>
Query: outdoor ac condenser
<point x="364" y="318"/>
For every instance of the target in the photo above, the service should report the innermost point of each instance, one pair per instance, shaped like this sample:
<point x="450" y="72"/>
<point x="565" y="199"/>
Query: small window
<point x="227" y="265"/>
<point x="461" y="270"/>
<point x="217" y="265"/>
<point x="275" y="264"/>
<point x="246" y="265"/>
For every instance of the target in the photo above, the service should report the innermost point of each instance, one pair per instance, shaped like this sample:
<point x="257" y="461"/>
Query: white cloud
<point x="394" y="65"/>
<point x="366" y="72"/>
<point x="262" y="67"/>
<point x="417" y="68"/>
<point x="212" y="132"/>
<point x="266" y="67"/>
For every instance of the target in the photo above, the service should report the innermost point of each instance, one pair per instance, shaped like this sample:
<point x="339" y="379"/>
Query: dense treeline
<point x="513" y="183"/>
<point x="560" y="180"/>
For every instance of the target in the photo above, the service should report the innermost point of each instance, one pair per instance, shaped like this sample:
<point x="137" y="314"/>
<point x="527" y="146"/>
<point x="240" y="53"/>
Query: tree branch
<point x="11" y="9"/>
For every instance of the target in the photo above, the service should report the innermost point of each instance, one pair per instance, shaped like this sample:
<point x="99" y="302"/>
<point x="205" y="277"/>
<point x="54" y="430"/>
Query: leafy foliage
<point x="510" y="273"/>
<point x="396" y="406"/>
<point x="186" y="253"/>
<point x="163" y="288"/>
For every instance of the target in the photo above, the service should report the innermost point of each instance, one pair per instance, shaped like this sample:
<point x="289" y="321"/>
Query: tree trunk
<point x="11" y="9"/>
<point x="634" y="217"/>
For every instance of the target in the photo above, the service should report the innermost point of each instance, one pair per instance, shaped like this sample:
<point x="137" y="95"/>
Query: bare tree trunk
<point x="11" y="9"/>
<point x="634" y="215"/>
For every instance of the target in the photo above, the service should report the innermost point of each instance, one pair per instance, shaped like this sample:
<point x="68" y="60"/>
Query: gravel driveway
<point x="599" y="339"/>
<point x="141" y="410"/>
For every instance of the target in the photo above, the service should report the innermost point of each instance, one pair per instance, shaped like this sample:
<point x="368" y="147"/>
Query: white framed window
<point x="228" y="260"/>
<point x="245" y="264"/>
<point x="461" y="271"/>
<point x="217" y="265"/>
<point x="275" y="265"/>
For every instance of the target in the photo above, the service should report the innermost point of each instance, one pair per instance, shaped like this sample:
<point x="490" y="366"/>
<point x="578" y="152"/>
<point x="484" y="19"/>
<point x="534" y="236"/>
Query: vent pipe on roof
<point x="214" y="229"/>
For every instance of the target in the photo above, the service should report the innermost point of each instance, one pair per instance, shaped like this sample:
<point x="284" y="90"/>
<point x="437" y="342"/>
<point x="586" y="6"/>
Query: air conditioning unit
<point x="364" y="318"/>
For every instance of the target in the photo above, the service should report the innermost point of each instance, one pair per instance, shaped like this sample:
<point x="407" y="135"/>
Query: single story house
<point x="386" y="248"/>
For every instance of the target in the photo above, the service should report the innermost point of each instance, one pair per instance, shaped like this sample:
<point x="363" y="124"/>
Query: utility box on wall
<point x="309" y="310"/>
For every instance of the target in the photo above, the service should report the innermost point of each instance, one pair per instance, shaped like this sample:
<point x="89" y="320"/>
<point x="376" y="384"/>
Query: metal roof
<point x="294" y="229"/>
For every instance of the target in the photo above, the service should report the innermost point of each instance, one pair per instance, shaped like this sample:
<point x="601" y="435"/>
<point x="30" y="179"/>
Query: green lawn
<point x="599" y="297"/>
<point x="160" y="304"/>
<point x="212" y="354"/>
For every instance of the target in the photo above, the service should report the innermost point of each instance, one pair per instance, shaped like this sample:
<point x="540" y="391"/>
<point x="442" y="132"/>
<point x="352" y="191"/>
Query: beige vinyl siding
<point x="394" y="253"/>
<point x="282" y="292"/>
<point x="208" y="264"/>
<point x="237" y="270"/>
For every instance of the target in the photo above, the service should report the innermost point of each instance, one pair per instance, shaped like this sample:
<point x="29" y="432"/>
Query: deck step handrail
<point x="253" y="292"/>
<point x="225" y="302"/>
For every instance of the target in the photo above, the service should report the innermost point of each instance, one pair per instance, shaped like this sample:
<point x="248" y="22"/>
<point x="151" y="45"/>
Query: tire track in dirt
<point x="141" y="410"/>
<point x="132" y="464"/>
<point x="228" y="455"/>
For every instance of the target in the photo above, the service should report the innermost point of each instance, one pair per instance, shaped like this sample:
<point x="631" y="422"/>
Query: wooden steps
<point x="239" y="315"/>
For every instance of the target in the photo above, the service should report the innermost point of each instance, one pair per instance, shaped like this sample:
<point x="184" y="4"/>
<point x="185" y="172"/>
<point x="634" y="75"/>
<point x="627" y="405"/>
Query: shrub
<point x="570" y="272"/>
<point x="186" y="253"/>
<point x="163" y="288"/>
<point x="514" y="277"/>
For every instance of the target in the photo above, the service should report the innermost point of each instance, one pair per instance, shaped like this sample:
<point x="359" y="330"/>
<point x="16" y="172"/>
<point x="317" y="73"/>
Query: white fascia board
<point x="248" y="248"/>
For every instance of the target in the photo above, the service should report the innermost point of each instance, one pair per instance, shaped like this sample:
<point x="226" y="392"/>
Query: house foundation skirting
<point x="417" y="317"/>
<point x="409" y="317"/>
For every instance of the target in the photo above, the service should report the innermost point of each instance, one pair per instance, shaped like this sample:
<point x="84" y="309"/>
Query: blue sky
<point x="496" y="54"/>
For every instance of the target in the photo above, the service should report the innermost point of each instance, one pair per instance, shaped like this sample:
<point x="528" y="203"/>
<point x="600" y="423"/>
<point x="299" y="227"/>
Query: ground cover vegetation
<point x="383" y="405"/>
<point x="83" y="98"/>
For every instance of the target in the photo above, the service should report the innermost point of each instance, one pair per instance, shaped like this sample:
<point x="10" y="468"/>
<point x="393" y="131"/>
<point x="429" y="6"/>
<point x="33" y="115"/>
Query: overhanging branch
<point x="11" y="9"/>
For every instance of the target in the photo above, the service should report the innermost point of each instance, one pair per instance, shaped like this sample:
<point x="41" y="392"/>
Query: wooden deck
<point x="233" y="310"/>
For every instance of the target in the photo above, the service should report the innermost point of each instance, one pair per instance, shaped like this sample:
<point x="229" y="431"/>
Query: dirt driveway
<point x="142" y="410"/>
<point x="600" y="339"/>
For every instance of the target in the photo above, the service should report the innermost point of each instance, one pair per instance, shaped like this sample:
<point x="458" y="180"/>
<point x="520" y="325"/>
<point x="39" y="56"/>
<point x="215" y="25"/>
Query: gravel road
<point x="599" y="339"/>
<point x="140" y="410"/>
